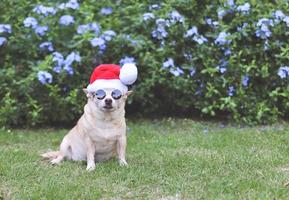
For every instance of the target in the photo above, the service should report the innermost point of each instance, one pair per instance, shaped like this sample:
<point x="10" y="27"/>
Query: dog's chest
<point x="106" y="133"/>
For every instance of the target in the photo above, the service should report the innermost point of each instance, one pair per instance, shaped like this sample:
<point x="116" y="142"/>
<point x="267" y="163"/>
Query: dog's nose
<point x="108" y="101"/>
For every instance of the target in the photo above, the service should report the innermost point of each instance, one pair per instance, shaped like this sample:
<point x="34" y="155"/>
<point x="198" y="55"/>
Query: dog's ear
<point x="88" y="95"/>
<point x="129" y="93"/>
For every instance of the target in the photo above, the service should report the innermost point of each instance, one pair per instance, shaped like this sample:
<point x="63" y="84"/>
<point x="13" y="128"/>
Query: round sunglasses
<point x="115" y="94"/>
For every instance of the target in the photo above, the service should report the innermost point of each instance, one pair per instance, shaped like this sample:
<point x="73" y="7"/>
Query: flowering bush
<point x="219" y="58"/>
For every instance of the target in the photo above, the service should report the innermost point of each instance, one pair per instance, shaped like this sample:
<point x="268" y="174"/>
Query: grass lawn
<point x="168" y="159"/>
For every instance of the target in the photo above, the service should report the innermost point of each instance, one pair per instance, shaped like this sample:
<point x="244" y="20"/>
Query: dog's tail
<point x="51" y="154"/>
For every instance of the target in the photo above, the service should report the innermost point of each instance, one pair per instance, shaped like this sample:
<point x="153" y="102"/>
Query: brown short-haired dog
<point x="99" y="134"/>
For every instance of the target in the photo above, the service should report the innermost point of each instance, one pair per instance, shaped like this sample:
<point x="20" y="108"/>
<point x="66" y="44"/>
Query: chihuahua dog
<point x="99" y="134"/>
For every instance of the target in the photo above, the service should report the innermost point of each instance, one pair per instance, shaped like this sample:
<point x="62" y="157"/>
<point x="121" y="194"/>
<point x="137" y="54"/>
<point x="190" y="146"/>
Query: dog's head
<point x="107" y="100"/>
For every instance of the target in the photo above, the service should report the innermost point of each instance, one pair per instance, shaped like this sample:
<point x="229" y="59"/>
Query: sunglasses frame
<point x="119" y="95"/>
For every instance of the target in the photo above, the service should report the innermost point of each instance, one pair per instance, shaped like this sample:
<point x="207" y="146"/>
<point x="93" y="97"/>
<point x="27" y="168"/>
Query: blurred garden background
<point x="225" y="59"/>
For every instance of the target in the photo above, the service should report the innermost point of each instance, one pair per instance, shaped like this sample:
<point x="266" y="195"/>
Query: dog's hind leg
<point x="57" y="160"/>
<point x="50" y="155"/>
<point x="65" y="152"/>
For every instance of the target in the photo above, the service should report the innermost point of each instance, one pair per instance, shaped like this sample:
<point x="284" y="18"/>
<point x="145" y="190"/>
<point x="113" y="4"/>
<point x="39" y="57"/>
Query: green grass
<point x="168" y="159"/>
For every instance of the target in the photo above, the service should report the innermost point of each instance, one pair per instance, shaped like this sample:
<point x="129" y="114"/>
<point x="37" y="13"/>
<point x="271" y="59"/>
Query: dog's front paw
<point x="122" y="163"/>
<point x="90" y="167"/>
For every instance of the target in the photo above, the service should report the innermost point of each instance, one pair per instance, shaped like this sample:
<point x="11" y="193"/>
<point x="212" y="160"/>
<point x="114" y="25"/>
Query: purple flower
<point x="68" y="69"/>
<point x="222" y="67"/>
<point x="200" y="39"/>
<point x="162" y="23"/>
<point x="108" y="35"/>
<point x="192" y="71"/>
<point x="44" y="77"/>
<point x="126" y="59"/>
<point x="168" y="63"/>
<point x="73" y="4"/>
<point x="148" y="16"/>
<point x="286" y="20"/>
<point x="94" y="27"/>
<point x="81" y="29"/>
<point x="40" y="9"/>
<point x="5" y="28"/>
<point x="263" y="32"/>
<point x="192" y="31"/>
<point x="66" y="64"/>
<point x="71" y="58"/>
<point x="159" y="33"/>
<point x="240" y="28"/>
<point x="3" y="40"/>
<point x="41" y="30"/>
<point x="222" y="39"/>
<point x="87" y="27"/>
<point x="222" y="13"/>
<point x="245" y="80"/>
<point x="265" y="21"/>
<point x="212" y="23"/>
<point x="231" y="91"/>
<point x="227" y="52"/>
<point x="176" y="71"/>
<point x="106" y="11"/>
<point x="57" y="57"/>
<point x="208" y="21"/>
<point x="283" y="72"/>
<point x="57" y="69"/>
<point x="175" y="17"/>
<point x="244" y="8"/>
<point x="155" y="7"/>
<point x="46" y="45"/>
<point x="278" y="15"/>
<point x="66" y="20"/>
<point x="30" y="22"/>
<point x="98" y="42"/>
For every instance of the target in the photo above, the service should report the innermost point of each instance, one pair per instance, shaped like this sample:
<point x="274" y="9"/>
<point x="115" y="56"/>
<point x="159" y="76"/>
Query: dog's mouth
<point x="108" y="107"/>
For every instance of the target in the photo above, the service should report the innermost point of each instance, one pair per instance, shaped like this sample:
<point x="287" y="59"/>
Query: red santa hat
<point x="112" y="76"/>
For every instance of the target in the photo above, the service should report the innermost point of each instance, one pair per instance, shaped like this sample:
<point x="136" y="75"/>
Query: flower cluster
<point x="46" y="46"/>
<point x="100" y="41"/>
<point x="44" y="10"/>
<point x="72" y="4"/>
<point x="160" y="31"/>
<point x="283" y="72"/>
<point x="84" y="28"/>
<point x="195" y="36"/>
<point x="263" y="30"/>
<point x="106" y="11"/>
<point x="44" y="77"/>
<point x="148" y="16"/>
<point x="175" y="17"/>
<point x="223" y="39"/>
<point x="169" y="64"/>
<point x="31" y="22"/>
<point x="222" y="67"/>
<point x="66" y="63"/>
<point x="245" y="8"/>
<point x="4" y="29"/>
<point x="126" y="59"/>
<point x="66" y="20"/>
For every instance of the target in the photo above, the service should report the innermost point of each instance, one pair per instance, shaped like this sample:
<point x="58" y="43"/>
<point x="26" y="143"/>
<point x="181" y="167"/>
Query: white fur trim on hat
<point x="105" y="84"/>
<point x="128" y="73"/>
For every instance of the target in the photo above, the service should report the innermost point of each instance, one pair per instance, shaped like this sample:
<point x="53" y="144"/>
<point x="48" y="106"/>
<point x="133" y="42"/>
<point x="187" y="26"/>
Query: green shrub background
<point x="194" y="84"/>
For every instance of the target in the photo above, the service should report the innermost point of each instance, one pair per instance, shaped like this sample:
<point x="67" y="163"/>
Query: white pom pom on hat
<point x="112" y="76"/>
<point x="128" y="73"/>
